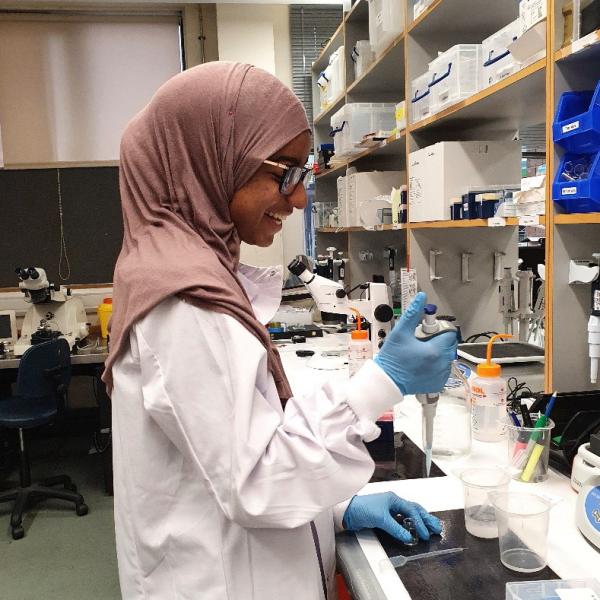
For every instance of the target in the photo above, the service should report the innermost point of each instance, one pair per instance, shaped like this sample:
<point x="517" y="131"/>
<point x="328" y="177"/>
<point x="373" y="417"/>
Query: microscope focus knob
<point x="340" y="293"/>
<point x="383" y="313"/>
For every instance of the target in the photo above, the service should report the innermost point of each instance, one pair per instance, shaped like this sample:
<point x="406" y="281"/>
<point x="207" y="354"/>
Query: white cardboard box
<point x="531" y="12"/>
<point x="445" y="170"/>
<point x="361" y="187"/>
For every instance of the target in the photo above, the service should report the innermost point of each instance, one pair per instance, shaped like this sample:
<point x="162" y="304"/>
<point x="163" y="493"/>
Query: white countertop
<point x="569" y="554"/>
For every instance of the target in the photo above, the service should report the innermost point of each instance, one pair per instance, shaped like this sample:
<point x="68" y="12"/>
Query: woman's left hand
<point x="379" y="510"/>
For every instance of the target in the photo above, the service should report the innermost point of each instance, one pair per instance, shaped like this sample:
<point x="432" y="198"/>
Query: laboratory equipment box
<point x="362" y="56"/>
<point x="576" y="187"/>
<point x="419" y="102"/>
<point x="530" y="13"/>
<point x="496" y="62"/>
<point x="353" y="121"/>
<point x="453" y="76"/>
<point x="549" y="588"/>
<point x="386" y="23"/>
<point x="358" y="188"/>
<point x="576" y="125"/>
<point x="442" y="172"/>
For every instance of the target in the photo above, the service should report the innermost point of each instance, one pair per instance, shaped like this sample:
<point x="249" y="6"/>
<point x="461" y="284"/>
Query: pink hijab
<point x="202" y="136"/>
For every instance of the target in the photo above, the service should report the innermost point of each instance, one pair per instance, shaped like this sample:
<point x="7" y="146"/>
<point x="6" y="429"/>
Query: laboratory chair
<point x="42" y="383"/>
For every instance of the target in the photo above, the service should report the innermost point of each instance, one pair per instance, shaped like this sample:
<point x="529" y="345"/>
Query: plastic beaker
<point x="529" y="452"/>
<point x="480" y="517"/>
<point x="522" y="530"/>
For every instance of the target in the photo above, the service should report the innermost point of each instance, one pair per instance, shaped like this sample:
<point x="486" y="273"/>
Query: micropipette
<point x="401" y="560"/>
<point x="430" y="327"/>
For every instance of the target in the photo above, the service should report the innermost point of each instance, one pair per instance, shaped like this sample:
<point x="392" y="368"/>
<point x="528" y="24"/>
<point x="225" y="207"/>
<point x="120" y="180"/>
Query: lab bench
<point x="360" y="555"/>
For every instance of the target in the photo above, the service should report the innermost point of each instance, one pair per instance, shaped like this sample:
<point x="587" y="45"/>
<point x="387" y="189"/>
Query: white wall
<point x="260" y="35"/>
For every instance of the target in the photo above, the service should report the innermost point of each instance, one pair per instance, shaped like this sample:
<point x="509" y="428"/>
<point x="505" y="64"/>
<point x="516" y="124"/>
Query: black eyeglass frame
<point x="290" y="177"/>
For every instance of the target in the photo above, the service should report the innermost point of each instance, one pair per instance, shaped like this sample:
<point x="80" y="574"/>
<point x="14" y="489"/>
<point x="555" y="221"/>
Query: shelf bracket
<point x="498" y="264"/>
<point x="464" y="267"/>
<point x="433" y="254"/>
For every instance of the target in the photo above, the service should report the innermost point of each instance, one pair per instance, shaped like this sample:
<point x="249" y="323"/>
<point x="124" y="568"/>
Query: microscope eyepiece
<point x="33" y="273"/>
<point x="296" y="267"/>
<point x="22" y="273"/>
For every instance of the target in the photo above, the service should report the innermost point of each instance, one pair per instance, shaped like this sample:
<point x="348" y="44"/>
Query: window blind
<point x="310" y="29"/>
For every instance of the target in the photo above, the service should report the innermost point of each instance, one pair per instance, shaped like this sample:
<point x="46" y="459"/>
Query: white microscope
<point x="53" y="312"/>
<point x="331" y="297"/>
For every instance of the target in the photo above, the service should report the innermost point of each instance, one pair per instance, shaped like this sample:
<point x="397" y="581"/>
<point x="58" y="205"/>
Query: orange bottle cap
<point x="359" y="334"/>
<point x="107" y="301"/>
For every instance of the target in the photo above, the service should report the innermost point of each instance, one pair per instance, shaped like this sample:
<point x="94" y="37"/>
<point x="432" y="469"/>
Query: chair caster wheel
<point x="18" y="533"/>
<point x="81" y="509"/>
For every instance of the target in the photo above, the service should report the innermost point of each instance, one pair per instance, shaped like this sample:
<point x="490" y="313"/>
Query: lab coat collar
<point x="263" y="286"/>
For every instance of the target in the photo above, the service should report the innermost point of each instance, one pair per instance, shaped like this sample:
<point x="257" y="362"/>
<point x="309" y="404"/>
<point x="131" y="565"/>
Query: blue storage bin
<point x="576" y="187"/>
<point x="576" y="125"/>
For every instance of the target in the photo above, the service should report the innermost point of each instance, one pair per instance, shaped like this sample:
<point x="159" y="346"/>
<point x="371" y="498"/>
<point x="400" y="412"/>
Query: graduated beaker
<point x="522" y="530"/>
<point x="480" y="516"/>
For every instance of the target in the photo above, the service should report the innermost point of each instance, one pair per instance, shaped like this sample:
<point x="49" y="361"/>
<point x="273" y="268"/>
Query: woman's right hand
<point x="416" y="366"/>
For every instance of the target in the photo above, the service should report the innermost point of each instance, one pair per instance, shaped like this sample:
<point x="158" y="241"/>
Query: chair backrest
<point x="45" y="371"/>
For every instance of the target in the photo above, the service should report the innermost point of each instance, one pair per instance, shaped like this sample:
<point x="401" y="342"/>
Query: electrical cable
<point x="476" y="336"/>
<point x="63" y="243"/>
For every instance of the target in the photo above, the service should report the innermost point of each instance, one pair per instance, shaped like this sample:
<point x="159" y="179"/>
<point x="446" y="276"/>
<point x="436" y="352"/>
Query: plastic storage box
<point x="337" y="77"/>
<point x="576" y="187"/>
<point x="453" y="76"/>
<point x="353" y="121"/>
<point x="420" y="7"/>
<point x="386" y="22"/>
<point x="576" y="125"/>
<point x="362" y="56"/>
<point x="419" y="101"/>
<point x="547" y="590"/>
<point x="496" y="62"/>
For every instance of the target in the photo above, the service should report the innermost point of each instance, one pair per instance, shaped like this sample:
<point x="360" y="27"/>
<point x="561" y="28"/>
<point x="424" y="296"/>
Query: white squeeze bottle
<point x="488" y="397"/>
<point x="360" y="349"/>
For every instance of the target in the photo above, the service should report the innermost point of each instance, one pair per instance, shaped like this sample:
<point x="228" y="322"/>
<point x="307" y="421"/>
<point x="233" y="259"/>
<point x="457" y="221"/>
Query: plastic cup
<point x="480" y="517"/>
<point x="529" y="452"/>
<point x="523" y="530"/>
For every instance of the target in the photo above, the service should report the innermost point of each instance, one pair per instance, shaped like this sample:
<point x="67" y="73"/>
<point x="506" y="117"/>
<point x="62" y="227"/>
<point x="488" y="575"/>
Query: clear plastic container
<point x="496" y="62"/>
<point x="362" y="56"/>
<point x="453" y="76"/>
<point x="529" y="451"/>
<point x="337" y="76"/>
<point x="522" y="530"/>
<point x="386" y="22"/>
<point x="353" y="121"/>
<point x="480" y="517"/>
<point x="420" y="96"/>
<point x="546" y="589"/>
<point x="452" y="423"/>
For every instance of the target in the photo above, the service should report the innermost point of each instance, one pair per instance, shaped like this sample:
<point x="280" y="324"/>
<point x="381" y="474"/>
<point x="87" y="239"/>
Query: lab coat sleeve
<point x="206" y="384"/>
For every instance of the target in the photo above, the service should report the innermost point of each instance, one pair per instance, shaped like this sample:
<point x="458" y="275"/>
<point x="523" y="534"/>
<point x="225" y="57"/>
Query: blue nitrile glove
<point x="378" y="510"/>
<point x="416" y="366"/>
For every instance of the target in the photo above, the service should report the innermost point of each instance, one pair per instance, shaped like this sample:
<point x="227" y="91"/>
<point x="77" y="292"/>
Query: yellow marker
<point x="532" y="462"/>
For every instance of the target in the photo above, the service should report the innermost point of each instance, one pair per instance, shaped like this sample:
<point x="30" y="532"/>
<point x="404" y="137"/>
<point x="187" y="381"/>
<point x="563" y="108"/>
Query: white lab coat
<point x="216" y="485"/>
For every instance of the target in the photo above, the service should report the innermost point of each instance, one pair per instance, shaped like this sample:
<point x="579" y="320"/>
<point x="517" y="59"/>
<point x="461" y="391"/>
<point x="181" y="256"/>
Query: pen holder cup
<point x="529" y="452"/>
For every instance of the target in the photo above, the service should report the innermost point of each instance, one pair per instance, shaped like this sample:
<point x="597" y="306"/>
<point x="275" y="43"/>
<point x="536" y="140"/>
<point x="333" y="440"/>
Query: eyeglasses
<point x="290" y="177"/>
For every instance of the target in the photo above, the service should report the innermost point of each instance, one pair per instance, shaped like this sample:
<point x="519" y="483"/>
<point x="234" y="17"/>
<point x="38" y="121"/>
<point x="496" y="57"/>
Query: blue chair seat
<point x="16" y="412"/>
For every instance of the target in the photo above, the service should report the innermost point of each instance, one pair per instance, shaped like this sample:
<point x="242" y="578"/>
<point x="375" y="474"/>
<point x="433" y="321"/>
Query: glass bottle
<point x="452" y="423"/>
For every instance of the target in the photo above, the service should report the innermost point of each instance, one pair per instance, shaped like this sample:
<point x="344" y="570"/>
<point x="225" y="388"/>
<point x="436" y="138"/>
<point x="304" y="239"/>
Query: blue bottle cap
<point x="430" y="309"/>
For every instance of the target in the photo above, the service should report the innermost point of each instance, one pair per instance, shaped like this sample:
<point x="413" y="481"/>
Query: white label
<point x="529" y="220"/>
<point x="596" y="300"/>
<point x="576" y="594"/>
<point x="570" y="126"/>
<point x="369" y="227"/>
<point x="570" y="191"/>
<point x="496" y="222"/>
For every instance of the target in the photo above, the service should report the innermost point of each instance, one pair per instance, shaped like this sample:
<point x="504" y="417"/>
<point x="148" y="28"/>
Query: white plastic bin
<point x="386" y="22"/>
<point x="362" y="56"/>
<point x="496" y="62"/>
<point x="453" y="76"/>
<point x="419" y="100"/>
<point x="323" y="84"/>
<point x="337" y="78"/>
<point x="420" y="7"/>
<point x="353" y="121"/>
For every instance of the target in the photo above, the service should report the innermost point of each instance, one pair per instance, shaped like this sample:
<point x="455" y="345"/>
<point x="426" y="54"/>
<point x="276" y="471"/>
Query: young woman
<point x="227" y="486"/>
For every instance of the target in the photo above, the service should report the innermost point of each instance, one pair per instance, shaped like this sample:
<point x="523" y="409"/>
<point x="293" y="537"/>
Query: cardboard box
<point x="446" y="170"/>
